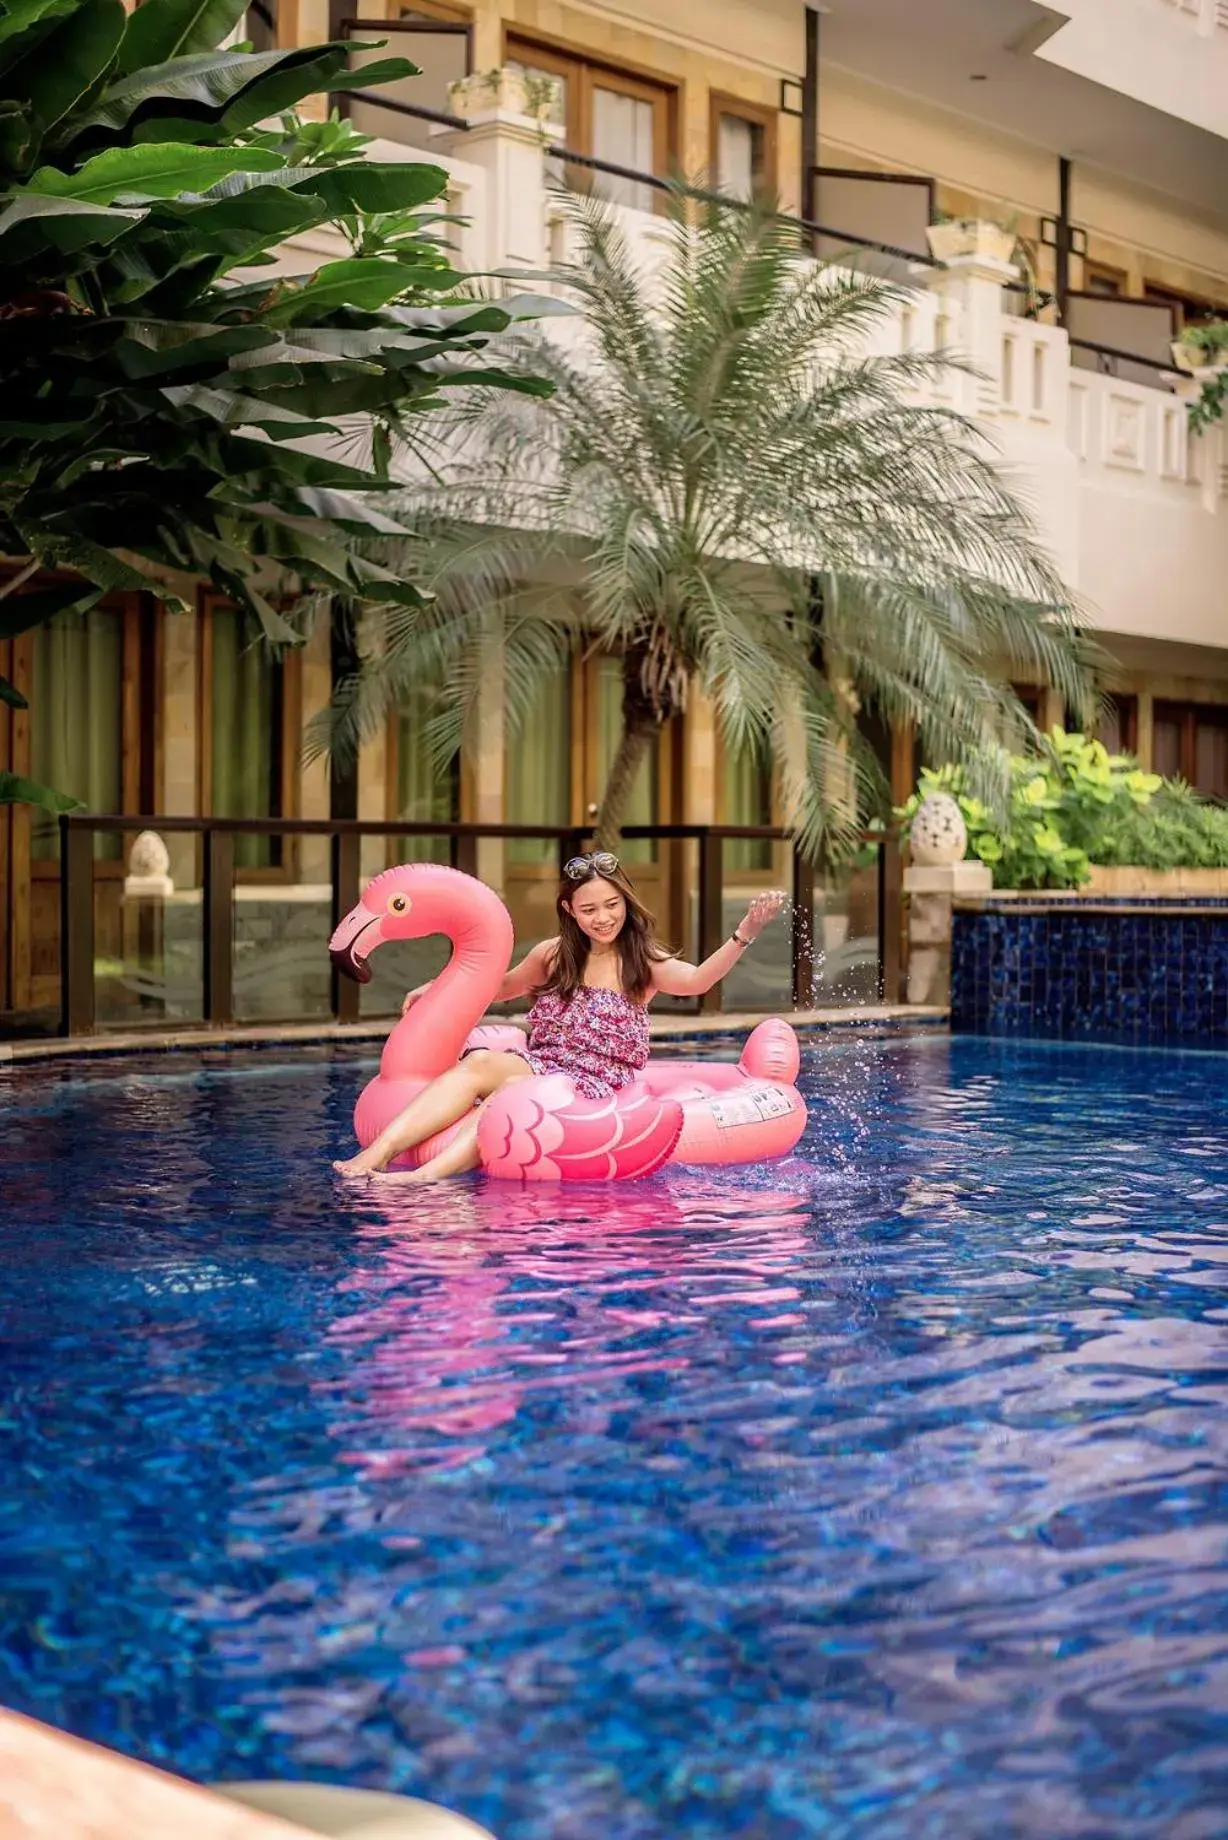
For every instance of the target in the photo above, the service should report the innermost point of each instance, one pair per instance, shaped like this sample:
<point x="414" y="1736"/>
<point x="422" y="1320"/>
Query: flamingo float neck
<point x="429" y="1040"/>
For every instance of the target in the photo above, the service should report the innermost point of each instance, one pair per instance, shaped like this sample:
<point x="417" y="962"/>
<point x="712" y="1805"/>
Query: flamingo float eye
<point x="398" y="904"/>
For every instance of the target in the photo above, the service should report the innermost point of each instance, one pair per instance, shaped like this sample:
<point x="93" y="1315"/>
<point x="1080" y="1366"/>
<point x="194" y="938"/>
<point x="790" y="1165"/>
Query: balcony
<point x="1095" y="434"/>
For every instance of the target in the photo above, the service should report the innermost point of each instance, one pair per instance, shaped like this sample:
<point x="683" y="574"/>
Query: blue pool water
<point x="882" y="1493"/>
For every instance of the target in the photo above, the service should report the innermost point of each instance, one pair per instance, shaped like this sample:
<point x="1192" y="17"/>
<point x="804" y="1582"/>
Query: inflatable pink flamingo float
<point x="541" y="1129"/>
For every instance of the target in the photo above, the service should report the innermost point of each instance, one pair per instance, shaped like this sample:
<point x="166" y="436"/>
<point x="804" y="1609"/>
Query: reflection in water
<point x="879" y="1494"/>
<point x="476" y="1297"/>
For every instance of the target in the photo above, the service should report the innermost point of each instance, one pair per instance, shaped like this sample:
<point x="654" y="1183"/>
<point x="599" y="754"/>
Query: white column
<point x="932" y="892"/>
<point x="1022" y="394"/>
<point x="510" y="151"/>
<point x="974" y="285"/>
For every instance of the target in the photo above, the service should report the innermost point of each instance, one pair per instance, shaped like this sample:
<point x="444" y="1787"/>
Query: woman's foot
<point x="356" y="1166"/>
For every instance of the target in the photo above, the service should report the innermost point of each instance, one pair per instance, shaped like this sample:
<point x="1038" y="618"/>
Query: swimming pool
<point x="881" y="1493"/>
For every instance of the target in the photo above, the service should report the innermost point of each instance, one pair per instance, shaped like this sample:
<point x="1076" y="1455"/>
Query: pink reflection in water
<point x="478" y="1296"/>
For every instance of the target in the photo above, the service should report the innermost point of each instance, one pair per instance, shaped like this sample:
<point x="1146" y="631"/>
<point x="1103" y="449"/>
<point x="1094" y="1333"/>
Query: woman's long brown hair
<point x="638" y="947"/>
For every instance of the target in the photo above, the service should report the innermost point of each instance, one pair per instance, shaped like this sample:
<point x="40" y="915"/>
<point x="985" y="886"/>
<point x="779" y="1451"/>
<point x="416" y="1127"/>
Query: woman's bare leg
<point x="457" y="1156"/>
<point x="438" y="1105"/>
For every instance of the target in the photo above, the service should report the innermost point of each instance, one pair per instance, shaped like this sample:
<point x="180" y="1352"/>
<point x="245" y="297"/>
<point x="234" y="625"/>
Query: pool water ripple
<point x="882" y="1492"/>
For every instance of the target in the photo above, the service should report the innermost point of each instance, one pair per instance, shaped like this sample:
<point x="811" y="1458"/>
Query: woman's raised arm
<point x="674" y="977"/>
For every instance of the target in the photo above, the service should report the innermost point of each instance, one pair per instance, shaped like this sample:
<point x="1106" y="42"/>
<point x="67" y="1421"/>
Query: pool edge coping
<point x="885" y="1016"/>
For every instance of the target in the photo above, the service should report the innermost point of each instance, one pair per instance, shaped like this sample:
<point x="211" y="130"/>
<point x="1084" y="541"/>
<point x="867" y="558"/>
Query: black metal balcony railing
<point x="848" y="238"/>
<point x="217" y="839"/>
<point x="1109" y="360"/>
<point x="567" y="156"/>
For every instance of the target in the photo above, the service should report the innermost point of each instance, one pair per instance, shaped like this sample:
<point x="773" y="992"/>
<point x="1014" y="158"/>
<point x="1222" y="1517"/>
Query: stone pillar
<point x="938" y="874"/>
<point x="931" y="891"/>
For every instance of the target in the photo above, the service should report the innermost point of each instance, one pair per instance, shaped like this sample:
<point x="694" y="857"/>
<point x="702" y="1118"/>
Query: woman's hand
<point x="411" y="997"/>
<point x="761" y="912"/>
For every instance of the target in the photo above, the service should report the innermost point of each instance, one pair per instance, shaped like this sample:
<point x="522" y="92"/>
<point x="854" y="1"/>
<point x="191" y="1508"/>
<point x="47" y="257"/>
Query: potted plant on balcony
<point x="507" y="90"/>
<point x="952" y="237"/>
<point x="1202" y="349"/>
<point x="1202" y="353"/>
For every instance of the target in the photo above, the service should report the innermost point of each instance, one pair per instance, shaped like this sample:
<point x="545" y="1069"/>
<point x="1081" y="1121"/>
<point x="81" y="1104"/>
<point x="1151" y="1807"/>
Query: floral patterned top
<point x="598" y="1038"/>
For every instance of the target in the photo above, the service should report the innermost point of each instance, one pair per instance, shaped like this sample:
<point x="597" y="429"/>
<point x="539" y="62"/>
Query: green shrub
<point x="1177" y="830"/>
<point x="1065" y="807"/>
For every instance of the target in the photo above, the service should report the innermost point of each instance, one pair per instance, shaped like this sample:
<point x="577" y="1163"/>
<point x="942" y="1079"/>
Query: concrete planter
<point x="971" y="237"/>
<point x="1131" y="880"/>
<point x="506" y="92"/>
<point x="1193" y="361"/>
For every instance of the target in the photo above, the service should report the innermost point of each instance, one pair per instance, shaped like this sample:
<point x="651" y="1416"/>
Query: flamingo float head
<point x="412" y="902"/>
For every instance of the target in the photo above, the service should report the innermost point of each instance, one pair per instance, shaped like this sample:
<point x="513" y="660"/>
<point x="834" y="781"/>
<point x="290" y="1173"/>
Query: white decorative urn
<point x="939" y="835"/>
<point x="149" y="866"/>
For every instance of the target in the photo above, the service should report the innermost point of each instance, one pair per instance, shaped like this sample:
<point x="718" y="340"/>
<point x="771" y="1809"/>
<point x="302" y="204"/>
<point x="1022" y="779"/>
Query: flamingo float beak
<point x="353" y="942"/>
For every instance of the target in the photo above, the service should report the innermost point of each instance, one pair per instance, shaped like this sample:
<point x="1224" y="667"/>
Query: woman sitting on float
<point x="592" y="986"/>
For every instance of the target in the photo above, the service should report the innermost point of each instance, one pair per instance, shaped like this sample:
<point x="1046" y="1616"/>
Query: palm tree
<point x="731" y="493"/>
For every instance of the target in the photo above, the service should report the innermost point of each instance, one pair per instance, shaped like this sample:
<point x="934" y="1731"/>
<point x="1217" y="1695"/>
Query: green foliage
<point x="1177" y="830"/>
<point x="1075" y="804"/>
<point x="155" y="389"/>
<point x="1210" y="404"/>
<point x="719" y="469"/>
<point x="1209" y="339"/>
<point x="15" y="790"/>
<point x="1207" y="342"/>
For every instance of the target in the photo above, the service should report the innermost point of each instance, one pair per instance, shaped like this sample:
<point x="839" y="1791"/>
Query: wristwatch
<point x="737" y="939"/>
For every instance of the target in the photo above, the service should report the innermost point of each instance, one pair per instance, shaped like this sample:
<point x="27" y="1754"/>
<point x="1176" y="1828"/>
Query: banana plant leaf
<point x="16" y="790"/>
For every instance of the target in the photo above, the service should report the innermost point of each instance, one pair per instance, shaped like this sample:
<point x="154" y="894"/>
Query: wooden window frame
<point x="1126" y="703"/>
<point x="446" y="14"/>
<point x="1093" y="270"/>
<point x="1032" y="696"/>
<point x="291" y="740"/>
<point x="1188" y="716"/>
<point x="583" y="73"/>
<point x="720" y="102"/>
<point x="1186" y="308"/>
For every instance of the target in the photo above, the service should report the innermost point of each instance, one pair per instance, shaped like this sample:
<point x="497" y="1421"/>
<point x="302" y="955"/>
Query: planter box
<point x="1128" y="879"/>
<point x="971" y="238"/>
<point x="1131" y="880"/>
<point x="507" y="92"/>
<point x="1194" y="363"/>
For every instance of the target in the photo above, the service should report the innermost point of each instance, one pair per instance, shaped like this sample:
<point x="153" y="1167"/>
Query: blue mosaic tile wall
<point x="1093" y="970"/>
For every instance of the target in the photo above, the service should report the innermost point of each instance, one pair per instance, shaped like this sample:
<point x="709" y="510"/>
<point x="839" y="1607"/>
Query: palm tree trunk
<point x="637" y="737"/>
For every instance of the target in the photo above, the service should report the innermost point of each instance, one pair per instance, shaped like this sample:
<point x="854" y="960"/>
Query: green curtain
<point x="642" y="805"/>
<point x="77" y="719"/>
<point x="246" y="697"/>
<point x="539" y="767"/>
<point x="746" y="798"/>
<point x="424" y="790"/>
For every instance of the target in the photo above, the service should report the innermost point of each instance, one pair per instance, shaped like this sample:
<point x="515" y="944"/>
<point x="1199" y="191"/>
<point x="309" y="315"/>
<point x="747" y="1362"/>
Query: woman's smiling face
<point x="599" y="910"/>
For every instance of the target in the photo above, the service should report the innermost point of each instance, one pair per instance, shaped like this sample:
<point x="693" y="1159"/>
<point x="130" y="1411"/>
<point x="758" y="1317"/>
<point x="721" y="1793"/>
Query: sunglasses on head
<point x="601" y="862"/>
